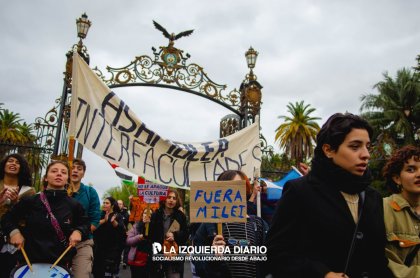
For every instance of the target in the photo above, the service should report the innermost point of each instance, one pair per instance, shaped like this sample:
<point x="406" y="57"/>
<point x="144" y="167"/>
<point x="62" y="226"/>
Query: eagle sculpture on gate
<point x="172" y="37"/>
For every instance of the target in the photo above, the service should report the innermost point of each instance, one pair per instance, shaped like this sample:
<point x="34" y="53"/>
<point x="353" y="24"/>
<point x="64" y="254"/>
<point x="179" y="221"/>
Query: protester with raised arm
<point x="250" y="233"/>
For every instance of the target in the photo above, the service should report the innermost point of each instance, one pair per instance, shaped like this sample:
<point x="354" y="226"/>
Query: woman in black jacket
<point x="109" y="238"/>
<point x="42" y="240"/>
<point x="329" y="223"/>
<point x="160" y="224"/>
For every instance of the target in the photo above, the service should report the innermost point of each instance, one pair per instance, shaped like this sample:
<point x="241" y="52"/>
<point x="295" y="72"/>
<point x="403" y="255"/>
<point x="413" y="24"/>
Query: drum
<point x="40" y="271"/>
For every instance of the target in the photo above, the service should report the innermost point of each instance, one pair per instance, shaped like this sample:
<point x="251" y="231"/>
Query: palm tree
<point x="18" y="136"/>
<point x="296" y="135"/>
<point x="395" y="110"/>
<point x="10" y="127"/>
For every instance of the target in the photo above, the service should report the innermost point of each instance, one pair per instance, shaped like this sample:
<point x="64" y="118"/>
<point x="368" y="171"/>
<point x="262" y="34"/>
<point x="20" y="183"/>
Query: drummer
<point x="47" y="233"/>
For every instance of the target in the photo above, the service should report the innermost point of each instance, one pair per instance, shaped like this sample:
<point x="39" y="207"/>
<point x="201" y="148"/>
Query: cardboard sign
<point x="137" y="208"/>
<point x="151" y="192"/>
<point x="218" y="202"/>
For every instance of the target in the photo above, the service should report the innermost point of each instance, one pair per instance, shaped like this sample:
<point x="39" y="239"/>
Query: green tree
<point x="121" y="192"/>
<point x="296" y="135"/>
<point x="10" y="127"/>
<point x="395" y="109"/>
<point x="18" y="136"/>
<point x="275" y="166"/>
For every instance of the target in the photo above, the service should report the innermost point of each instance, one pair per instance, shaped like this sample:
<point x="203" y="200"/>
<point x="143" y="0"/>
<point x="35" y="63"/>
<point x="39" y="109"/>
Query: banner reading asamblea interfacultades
<point x="104" y="124"/>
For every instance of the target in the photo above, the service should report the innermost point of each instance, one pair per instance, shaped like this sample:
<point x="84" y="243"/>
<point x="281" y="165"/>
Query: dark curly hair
<point x="395" y="164"/>
<point x="24" y="176"/>
<point x="335" y="130"/>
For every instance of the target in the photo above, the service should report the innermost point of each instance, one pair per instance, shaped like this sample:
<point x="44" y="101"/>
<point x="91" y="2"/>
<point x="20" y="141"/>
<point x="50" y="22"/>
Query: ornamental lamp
<point x="251" y="57"/>
<point x="83" y="25"/>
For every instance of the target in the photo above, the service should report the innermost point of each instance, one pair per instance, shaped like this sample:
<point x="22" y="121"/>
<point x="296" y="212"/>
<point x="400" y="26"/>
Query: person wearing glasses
<point x="251" y="233"/>
<point x="402" y="212"/>
<point x="330" y="223"/>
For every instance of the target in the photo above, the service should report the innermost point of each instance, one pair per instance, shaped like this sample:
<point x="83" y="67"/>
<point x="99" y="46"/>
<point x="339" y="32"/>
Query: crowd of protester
<point x="328" y="223"/>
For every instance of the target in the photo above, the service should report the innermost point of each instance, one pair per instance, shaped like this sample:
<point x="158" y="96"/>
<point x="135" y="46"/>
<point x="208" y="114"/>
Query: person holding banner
<point x="330" y="223"/>
<point x="88" y="197"/>
<point x="251" y="233"/>
<point x="402" y="210"/>
<point x="15" y="183"/>
<point x="53" y="220"/>
<point x="139" y="255"/>
<point x="168" y="226"/>
<point x="109" y="240"/>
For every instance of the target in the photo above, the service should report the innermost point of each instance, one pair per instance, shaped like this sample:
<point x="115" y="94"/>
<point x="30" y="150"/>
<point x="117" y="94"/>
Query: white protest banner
<point x="104" y="124"/>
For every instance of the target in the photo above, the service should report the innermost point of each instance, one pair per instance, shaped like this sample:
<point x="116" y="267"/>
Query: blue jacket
<point x="89" y="199"/>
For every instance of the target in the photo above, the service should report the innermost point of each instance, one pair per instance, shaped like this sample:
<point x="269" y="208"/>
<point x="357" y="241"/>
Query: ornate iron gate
<point x="169" y="67"/>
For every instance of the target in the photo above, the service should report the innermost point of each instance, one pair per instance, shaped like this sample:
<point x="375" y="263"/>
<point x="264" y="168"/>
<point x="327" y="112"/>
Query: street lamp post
<point x="250" y="100"/>
<point x="250" y="91"/>
<point x="60" y="145"/>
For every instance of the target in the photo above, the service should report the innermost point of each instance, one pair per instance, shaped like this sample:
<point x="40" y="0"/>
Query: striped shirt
<point x="253" y="234"/>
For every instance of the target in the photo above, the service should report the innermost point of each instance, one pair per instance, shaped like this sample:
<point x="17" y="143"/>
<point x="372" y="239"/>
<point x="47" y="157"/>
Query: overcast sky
<point x="327" y="53"/>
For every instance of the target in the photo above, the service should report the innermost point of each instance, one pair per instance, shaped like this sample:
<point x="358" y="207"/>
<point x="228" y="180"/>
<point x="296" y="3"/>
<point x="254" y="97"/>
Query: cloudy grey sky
<point x="327" y="53"/>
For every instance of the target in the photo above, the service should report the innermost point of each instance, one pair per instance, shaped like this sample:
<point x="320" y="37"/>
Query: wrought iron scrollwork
<point x="229" y="124"/>
<point x="169" y="67"/>
<point x="45" y="128"/>
<point x="267" y="150"/>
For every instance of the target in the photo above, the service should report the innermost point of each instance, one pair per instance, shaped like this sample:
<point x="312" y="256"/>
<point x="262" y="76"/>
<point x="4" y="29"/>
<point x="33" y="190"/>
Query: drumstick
<point x="26" y="258"/>
<point x="62" y="255"/>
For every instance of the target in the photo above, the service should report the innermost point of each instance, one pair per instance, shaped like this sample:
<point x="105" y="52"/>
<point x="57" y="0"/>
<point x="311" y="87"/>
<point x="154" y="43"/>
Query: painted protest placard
<point x="218" y="202"/>
<point x="152" y="193"/>
<point x="137" y="208"/>
<point x="105" y="124"/>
